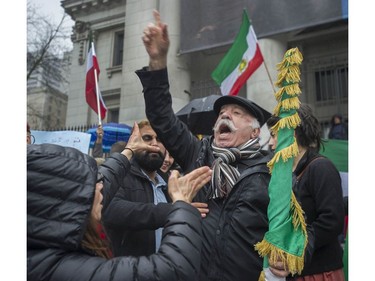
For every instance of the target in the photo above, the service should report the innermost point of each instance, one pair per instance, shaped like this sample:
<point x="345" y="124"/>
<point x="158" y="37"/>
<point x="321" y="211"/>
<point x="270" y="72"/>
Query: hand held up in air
<point x="136" y="144"/>
<point x="156" y="41"/>
<point x="186" y="187"/>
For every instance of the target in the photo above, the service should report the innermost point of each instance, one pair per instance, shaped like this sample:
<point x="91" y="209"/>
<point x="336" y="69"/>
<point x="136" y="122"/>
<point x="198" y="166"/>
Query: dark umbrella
<point x="199" y="115"/>
<point x="113" y="132"/>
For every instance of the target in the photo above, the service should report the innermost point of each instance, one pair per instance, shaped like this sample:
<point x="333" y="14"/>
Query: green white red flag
<point x="93" y="95"/>
<point x="240" y="62"/>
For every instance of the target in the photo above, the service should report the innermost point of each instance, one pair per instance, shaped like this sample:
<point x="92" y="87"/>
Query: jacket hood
<point x="60" y="192"/>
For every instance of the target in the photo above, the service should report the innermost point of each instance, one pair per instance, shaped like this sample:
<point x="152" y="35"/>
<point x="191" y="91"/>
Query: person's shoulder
<point x="322" y="163"/>
<point x="265" y="156"/>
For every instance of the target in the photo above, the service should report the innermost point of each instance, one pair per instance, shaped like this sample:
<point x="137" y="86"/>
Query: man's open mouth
<point x="223" y="129"/>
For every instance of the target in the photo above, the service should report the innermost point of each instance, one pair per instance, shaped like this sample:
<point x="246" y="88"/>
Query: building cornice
<point x="96" y="22"/>
<point x="74" y="8"/>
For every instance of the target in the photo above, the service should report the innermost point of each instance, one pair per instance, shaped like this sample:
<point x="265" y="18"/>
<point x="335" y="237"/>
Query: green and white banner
<point x="337" y="152"/>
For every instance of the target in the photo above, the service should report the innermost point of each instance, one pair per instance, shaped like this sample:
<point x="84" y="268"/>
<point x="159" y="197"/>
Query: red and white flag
<point x="240" y="62"/>
<point x="93" y="95"/>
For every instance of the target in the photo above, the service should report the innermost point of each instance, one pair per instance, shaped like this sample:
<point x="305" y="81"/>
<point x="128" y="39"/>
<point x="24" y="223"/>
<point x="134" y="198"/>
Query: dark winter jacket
<point x="338" y="132"/>
<point x="232" y="226"/>
<point x="320" y="194"/>
<point x="132" y="217"/>
<point x="60" y="193"/>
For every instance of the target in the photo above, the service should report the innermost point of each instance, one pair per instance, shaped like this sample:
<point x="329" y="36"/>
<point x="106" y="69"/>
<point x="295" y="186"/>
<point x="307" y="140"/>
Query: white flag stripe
<point x="249" y="54"/>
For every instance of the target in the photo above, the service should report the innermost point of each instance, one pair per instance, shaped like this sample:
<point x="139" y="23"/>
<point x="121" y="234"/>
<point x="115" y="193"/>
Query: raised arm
<point x="174" y="134"/>
<point x="156" y="41"/>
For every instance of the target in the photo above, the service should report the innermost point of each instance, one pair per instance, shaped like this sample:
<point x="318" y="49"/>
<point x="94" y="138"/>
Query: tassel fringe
<point x="290" y="90"/>
<point x="294" y="263"/>
<point x="291" y="57"/>
<point x="288" y="75"/>
<point x="274" y="254"/>
<point x="297" y="214"/>
<point x="287" y="104"/>
<point x="285" y="154"/>
<point x="262" y="276"/>
<point x="287" y="122"/>
<point x="287" y="98"/>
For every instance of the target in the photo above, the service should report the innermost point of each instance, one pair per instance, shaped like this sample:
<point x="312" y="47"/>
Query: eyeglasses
<point x="99" y="178"/>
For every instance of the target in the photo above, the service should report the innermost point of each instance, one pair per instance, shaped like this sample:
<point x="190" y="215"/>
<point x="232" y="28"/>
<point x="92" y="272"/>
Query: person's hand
<point x="186" y="187"/>
<point x="136" y="144"/>
<point x="156" y="40"/>
<point x="279" y="269"/>
<point x="202" y="208"/>
<point x="99" y="134"/>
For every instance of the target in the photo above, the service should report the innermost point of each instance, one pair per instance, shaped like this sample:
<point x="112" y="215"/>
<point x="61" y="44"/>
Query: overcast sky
<point x="52" y="9"/>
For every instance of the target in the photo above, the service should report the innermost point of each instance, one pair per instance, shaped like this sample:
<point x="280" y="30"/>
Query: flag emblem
<point x="240" y="62"/>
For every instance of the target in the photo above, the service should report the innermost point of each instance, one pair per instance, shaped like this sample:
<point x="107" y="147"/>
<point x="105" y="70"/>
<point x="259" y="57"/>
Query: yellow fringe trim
<point x="293" y="89"/>
<point x="290" y="122"/>
<point x="291" y="57"/>
<point x="279" y="94"/>
<point x="285" y="154"/>
<point x="293" y="263"/>
<point x="262" y="276"/>
<point x="287" y="104"/>
<point x="297" y="214"/>
<point x="290" y="75"/>
<point x="290" y="90"/>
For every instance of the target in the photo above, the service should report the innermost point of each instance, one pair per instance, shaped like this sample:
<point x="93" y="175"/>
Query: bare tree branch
<point x="44" y="40"/>
<point x="48" y="63"/>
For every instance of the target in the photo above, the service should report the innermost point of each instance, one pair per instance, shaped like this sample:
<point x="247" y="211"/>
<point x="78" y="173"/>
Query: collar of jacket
<point x="309" y="155"/>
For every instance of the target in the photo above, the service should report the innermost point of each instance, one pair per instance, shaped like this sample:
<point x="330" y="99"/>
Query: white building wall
<point x="139" y="14"/>
<point x="77" y="107"/>
<point x="102" y="17"/>
<point x="184" y="70"/>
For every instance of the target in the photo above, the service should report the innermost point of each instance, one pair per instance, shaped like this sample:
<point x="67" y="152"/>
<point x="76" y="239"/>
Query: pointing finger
<point x="157" y="17"/>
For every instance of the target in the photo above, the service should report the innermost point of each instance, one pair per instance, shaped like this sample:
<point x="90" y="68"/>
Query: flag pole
<point x="97" y="91"/>
<point x="269" y="76"/>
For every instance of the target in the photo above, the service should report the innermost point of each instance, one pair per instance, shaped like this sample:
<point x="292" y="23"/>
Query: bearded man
<point x="134" y="217"/>
<point x="234" y="205"/>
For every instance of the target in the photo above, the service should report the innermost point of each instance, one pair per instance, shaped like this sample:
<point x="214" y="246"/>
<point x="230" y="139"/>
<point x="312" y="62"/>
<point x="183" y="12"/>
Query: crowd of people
<point x="166" y="205"/>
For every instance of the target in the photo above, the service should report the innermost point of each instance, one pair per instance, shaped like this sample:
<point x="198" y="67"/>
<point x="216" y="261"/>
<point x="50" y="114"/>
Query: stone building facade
<point x="47" y="98"/>
<point x="117" y="26"/>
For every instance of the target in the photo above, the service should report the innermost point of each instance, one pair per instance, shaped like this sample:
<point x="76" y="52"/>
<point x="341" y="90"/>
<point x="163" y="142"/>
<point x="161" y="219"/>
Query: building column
<point x="178" y="69"/>
<point x="138" y="15"/>
<point x="259" y="87"/>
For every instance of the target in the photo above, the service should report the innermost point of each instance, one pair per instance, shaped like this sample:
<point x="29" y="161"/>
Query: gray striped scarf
<point x="224" y="175"/>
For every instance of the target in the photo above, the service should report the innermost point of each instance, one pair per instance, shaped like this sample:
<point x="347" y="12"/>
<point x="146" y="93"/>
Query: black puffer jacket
<point x="232" y="226"/>
<point x="60" y="193"/>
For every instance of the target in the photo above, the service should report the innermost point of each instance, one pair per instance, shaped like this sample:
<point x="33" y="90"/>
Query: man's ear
<point x="255" y="133"/>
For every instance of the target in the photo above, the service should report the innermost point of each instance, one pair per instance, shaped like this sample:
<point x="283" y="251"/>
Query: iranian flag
<point x="93" y="95"/>
<point x="240" y="62"/>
